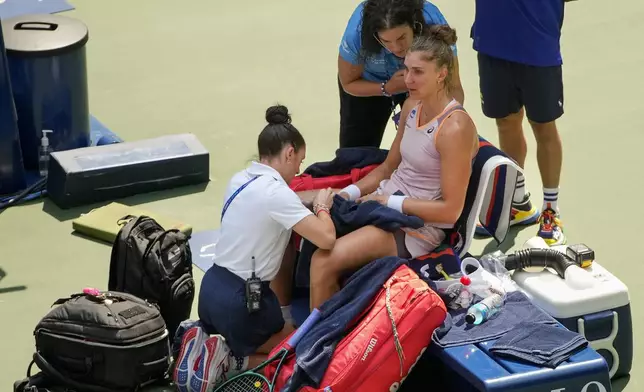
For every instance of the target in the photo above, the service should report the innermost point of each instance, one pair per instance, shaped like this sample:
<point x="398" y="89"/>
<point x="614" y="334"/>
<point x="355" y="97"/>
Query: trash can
<point x="12" y="178"/>
<point x="47" y="64"/>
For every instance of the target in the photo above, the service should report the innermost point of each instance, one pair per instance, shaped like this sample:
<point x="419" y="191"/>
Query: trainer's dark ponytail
<point x="278" y="133"/>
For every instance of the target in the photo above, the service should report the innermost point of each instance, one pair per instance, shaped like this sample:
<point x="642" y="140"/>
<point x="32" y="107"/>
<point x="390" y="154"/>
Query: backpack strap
<point x="36" y="383"/>
<point x="62" y="300"/>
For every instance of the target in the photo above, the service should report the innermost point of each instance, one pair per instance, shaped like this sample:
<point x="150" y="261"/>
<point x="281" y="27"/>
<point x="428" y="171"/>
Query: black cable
<point x="38" y="186"/>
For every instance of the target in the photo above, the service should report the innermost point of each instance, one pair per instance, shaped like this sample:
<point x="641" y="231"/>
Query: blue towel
<point x="346" y="159"/>
<point x="338" y="314"/>
<point x="349" y="216"/>
<point x="538" y="344"/>
<point x="497" y="206"/>
<point x="517" y="308"/>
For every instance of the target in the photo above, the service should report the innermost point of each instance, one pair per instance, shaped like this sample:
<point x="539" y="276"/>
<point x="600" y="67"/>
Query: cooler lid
<point x="551" y="293"/>
<point x="43" y="34"/>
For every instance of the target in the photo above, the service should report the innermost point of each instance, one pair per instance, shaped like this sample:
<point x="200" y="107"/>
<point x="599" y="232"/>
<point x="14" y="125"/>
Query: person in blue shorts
<point x="520" y="71"/>
<point x="370" y="65"/>
<point x="237" y="301"/>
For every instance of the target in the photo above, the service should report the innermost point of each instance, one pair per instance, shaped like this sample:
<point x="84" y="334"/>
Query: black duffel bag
<point x="106" y="341"/>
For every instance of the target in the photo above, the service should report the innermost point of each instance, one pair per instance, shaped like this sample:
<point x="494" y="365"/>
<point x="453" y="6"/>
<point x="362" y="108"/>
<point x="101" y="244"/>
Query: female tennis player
<point x="426" y="172"/>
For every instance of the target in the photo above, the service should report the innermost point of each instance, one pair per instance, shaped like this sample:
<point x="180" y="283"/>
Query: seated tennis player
<point x="426" y="172"/>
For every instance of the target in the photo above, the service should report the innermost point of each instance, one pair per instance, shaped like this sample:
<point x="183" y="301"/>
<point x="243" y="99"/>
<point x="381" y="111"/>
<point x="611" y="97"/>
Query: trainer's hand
<point x="382" y="199"/>
<point x="324" y="198"/>
<point x="396" y="84"/>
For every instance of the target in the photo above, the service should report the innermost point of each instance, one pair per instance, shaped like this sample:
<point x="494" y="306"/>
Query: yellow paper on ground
<point x="103" y="223"/>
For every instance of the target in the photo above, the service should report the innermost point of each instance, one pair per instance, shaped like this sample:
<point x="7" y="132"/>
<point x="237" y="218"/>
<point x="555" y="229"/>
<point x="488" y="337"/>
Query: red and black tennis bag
<point x="387" y="339"/>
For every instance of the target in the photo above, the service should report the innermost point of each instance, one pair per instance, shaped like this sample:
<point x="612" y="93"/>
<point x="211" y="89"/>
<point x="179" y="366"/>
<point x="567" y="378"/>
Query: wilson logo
<point x="370" y="347"/>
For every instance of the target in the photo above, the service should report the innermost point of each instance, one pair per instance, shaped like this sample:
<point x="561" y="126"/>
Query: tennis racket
<point x="253" y="380"/>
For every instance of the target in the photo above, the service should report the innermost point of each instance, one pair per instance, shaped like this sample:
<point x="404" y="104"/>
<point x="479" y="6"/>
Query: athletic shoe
<point x="212" y="365"/>
<point x="550" y="228"/>
<point x="185" y="326"/>
<point x="191" y="343"/>
<point x="522" y="213"/>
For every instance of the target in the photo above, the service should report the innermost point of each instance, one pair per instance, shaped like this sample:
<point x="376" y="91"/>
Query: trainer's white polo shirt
<point x="258" y="222"/>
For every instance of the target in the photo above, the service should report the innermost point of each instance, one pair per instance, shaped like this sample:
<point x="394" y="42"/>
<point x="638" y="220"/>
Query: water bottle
<point x="481" y="282"/>
<point x="483" y="310"/>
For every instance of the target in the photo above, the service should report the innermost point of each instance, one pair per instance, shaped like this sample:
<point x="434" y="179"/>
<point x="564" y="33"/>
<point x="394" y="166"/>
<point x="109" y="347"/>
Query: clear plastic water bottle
<point x="481" y="282"/>
<point x="483" y="310"/>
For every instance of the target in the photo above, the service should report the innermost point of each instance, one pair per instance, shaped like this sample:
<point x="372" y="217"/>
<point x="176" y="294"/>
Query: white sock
<point x="519" y="193"/>
<point x="236" y="365"/>
<point x="286" y="313"/>
<point x="550" y="198"/>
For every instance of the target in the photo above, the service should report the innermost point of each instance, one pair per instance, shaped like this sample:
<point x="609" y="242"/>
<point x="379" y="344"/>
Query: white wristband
<point x="396" y="202"/>
<point x="353" y="191"/>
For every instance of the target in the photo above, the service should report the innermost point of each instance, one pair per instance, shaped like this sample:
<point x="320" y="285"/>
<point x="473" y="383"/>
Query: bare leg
<point x="275" y="339"/>
<point x="549" y="152"/>
<point x="256" y="360"/>
<point x="282" y="285"/>
<point x="511" y="138"/>
<point x="349" y="253"/>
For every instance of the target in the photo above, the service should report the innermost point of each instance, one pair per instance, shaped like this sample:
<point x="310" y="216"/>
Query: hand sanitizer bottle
<point x="43" y="153"/>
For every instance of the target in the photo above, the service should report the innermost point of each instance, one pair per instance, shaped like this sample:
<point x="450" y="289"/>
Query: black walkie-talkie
<point x="253" y="291"/>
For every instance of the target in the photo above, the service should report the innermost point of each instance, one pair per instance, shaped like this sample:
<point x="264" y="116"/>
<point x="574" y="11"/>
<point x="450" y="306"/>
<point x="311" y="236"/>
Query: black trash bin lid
<point x="43" y="34"/>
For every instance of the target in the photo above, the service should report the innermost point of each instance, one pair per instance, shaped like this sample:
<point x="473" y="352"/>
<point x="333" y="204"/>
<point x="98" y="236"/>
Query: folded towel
<point x="349" y="216"/>
<point x="541" y="345"/>
<point x="517" y="308"/>
<point x="494" y="215"/>
<point x="347" y="158"/>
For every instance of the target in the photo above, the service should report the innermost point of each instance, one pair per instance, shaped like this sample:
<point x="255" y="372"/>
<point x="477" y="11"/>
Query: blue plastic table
<point x="473" y="368"/>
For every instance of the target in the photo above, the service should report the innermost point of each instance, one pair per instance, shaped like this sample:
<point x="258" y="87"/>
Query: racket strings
<point x="246" y="383"/>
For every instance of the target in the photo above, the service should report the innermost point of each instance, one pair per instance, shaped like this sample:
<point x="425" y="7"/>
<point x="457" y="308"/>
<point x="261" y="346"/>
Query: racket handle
<point x="304" y="328"/>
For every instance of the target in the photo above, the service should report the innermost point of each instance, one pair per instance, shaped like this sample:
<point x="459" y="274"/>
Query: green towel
<point x="103" y="223"/>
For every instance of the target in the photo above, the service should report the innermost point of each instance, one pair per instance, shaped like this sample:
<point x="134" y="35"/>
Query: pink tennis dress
<point x="419" y="175"/>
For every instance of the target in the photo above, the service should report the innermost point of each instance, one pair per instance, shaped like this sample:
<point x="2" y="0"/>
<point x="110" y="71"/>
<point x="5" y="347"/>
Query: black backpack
<point x="154" y="264"/>
<point x="99" y="342"/>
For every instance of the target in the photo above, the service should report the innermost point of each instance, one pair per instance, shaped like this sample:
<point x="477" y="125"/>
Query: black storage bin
<point x="47" y="64"/>
<point x="12" y="177"/>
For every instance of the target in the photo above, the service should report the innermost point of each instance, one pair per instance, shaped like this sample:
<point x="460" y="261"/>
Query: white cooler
<point x="602" y="313"/>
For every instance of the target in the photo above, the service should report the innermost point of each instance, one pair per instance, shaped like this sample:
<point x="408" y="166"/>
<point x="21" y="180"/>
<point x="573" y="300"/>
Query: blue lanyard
<point x="230" y="199"/>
